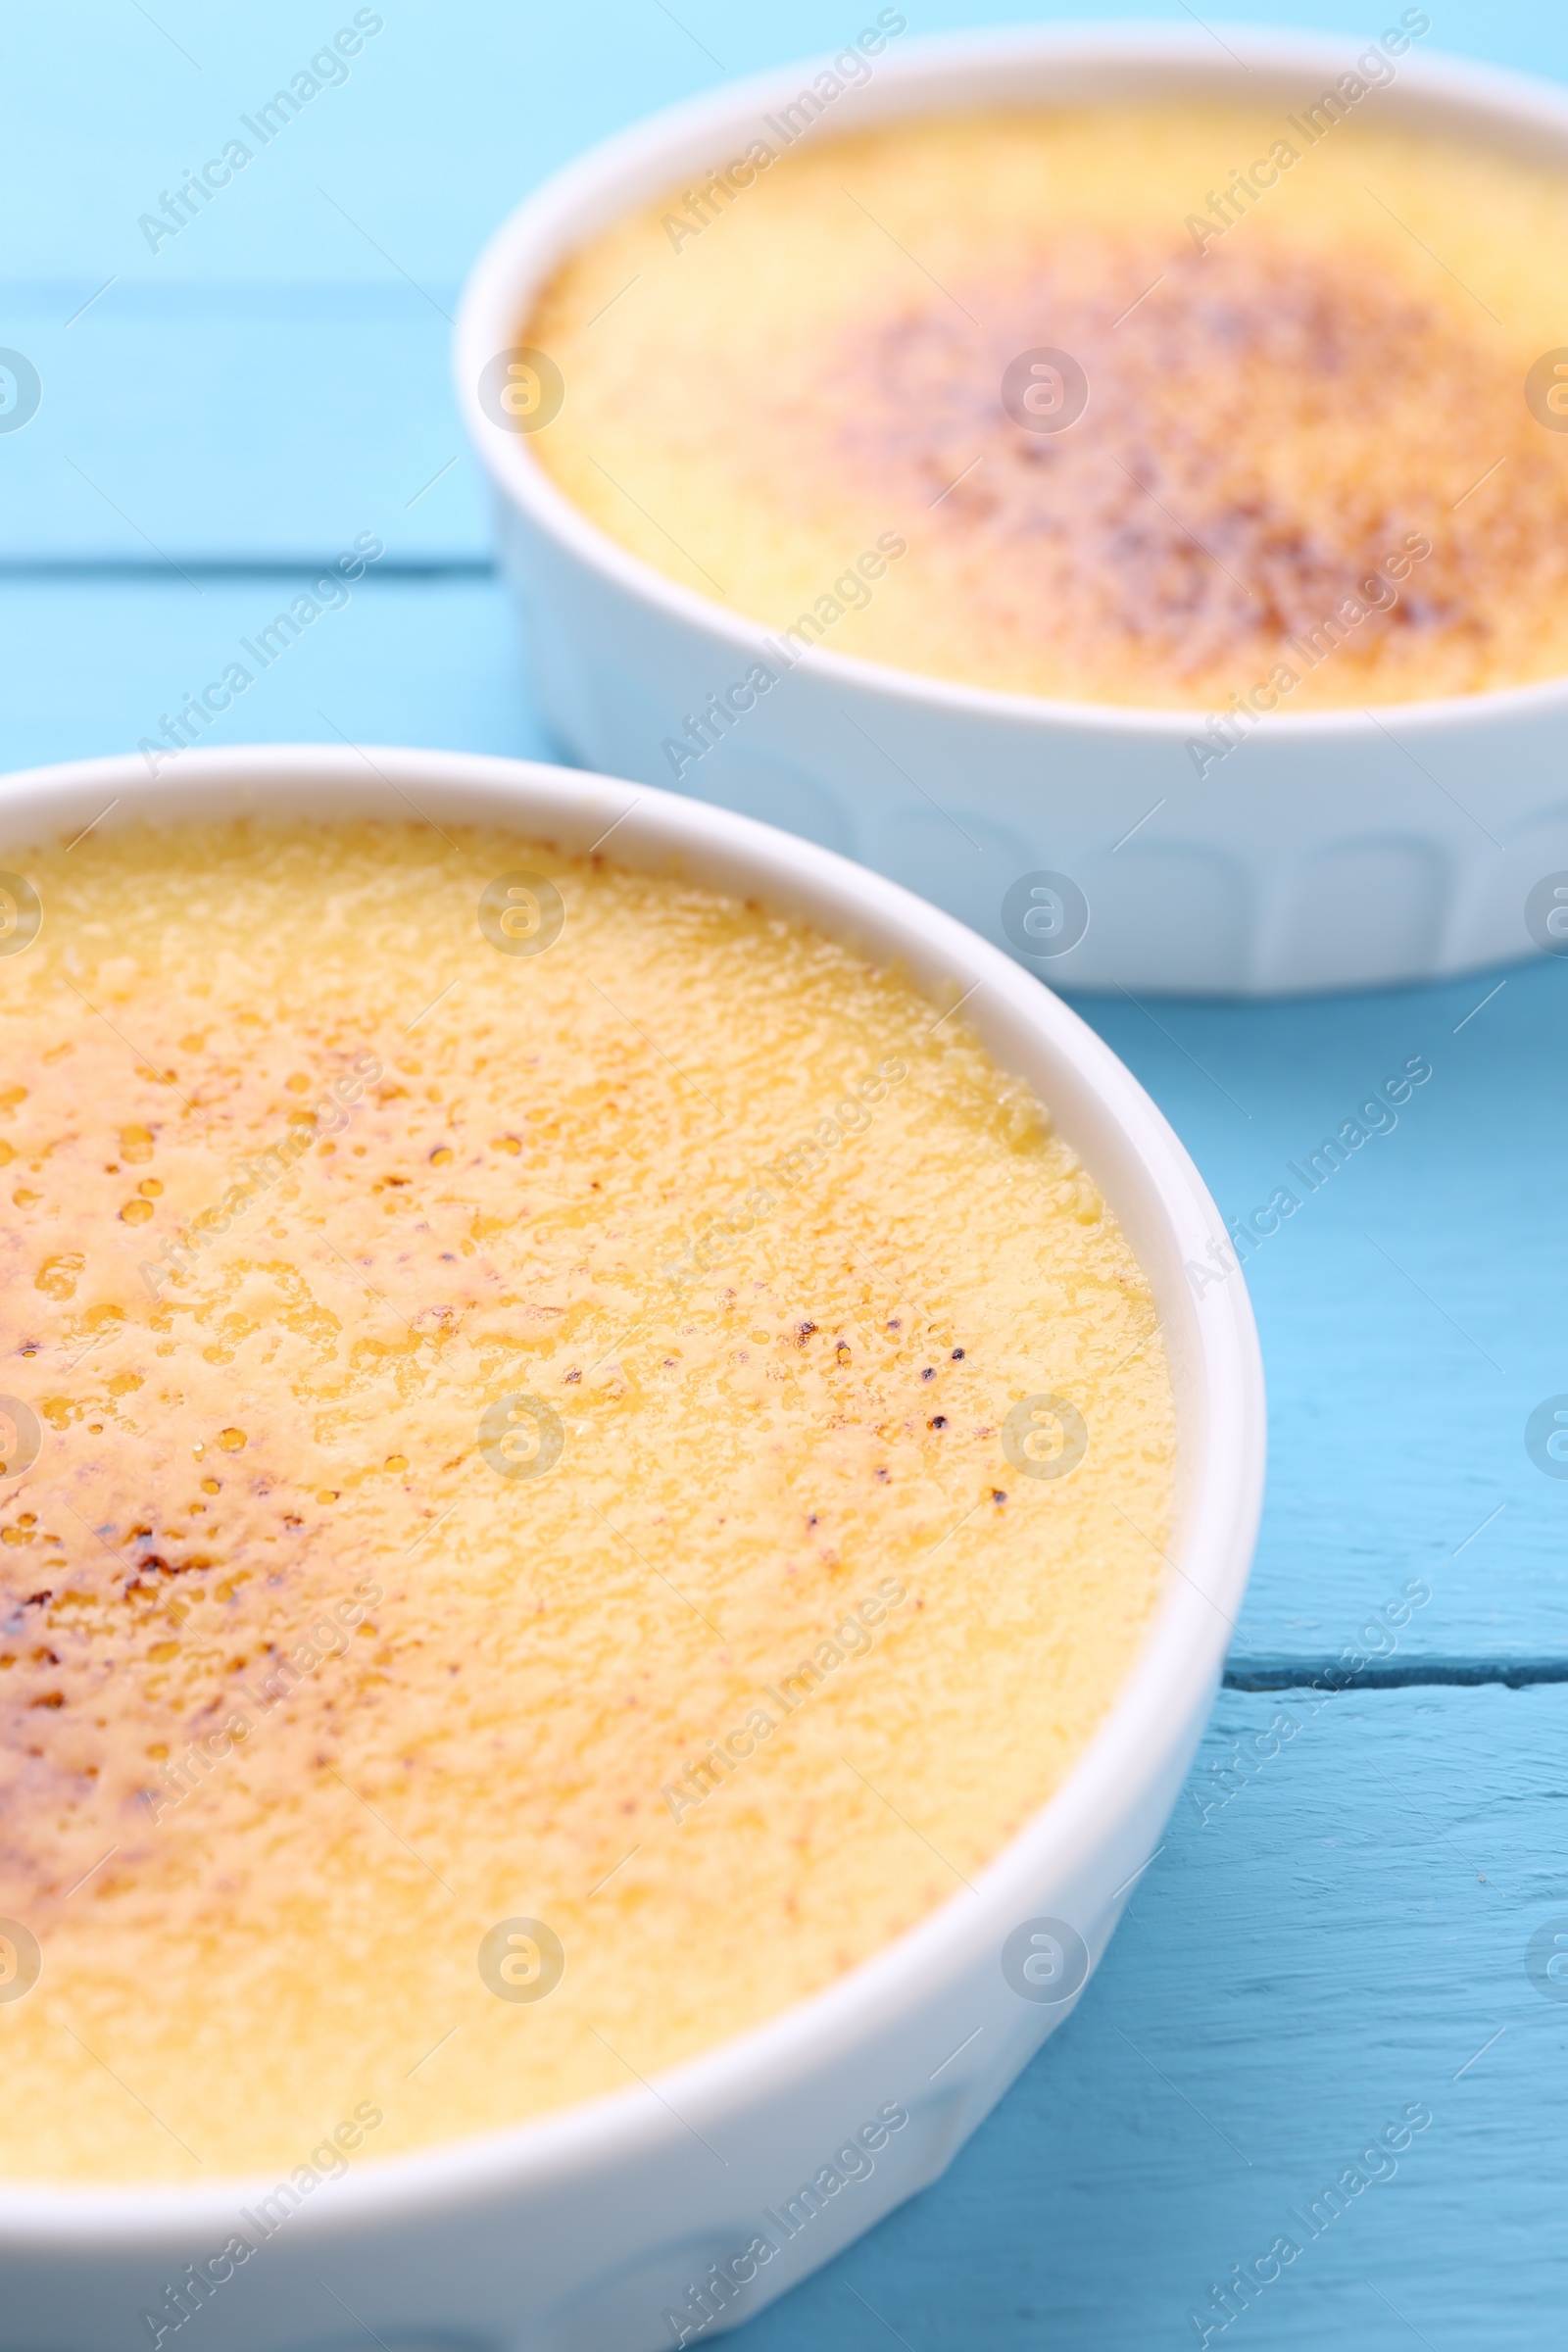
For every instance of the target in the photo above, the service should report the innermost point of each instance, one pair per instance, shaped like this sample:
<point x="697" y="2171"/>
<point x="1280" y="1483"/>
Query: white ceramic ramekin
<point x="1330" y="851"/>
<point x="580" y="2232"/>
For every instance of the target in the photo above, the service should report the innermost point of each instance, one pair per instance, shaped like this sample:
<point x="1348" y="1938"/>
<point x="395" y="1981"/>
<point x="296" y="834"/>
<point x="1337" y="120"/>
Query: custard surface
<point x="1282" y="409"/>
<point x="301" y="1694"/>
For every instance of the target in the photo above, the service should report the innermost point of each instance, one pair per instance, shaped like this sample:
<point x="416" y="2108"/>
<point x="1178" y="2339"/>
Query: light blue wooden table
<point x="1338" y="1924"/>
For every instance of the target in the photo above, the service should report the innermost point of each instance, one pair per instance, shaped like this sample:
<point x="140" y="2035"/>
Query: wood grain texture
<point x="445" y="120"/>
<point x="240" y="423"/>
<point x="1412" y="1311"/>
<point x="277" y="374"/>
<point x="1333" y="1931"/>
<point x="1338" y="1943"/>
<point x="91" y="667"/>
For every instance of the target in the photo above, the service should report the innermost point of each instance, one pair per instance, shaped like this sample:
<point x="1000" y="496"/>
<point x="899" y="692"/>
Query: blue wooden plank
<point x="280" y="364"/>
<point x="1345" y="1941"/>
<point x="443" y="121"/>
<point x="1411" y="1310"/>
<point x="1335" y="1931"/>
<point x="260" y="422"/>
<point x="94" y="667"/>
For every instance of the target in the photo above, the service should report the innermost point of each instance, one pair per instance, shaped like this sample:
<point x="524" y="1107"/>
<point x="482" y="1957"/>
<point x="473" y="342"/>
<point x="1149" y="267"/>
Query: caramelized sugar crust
<point x="1164" y="526"/>
<point x="1307" y="443"/>
<point x="302" y="1690"/>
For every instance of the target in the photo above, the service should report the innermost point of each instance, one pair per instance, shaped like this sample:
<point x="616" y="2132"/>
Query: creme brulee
<point x="824" y="387"/>
<point x="527" y="1568"/>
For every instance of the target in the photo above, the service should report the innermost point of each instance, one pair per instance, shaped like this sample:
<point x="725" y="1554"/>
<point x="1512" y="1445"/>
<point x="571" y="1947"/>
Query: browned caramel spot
<point x="1307" y="423"/>
<point x="302" y="1691"/>
<point x="1163" y="522"/>
<point x="115" y="1651"/>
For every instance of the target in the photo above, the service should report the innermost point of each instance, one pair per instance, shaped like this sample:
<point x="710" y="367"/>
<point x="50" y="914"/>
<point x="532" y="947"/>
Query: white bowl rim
<point x="533" y="236"/>
<point x="1184" y="1647"/>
